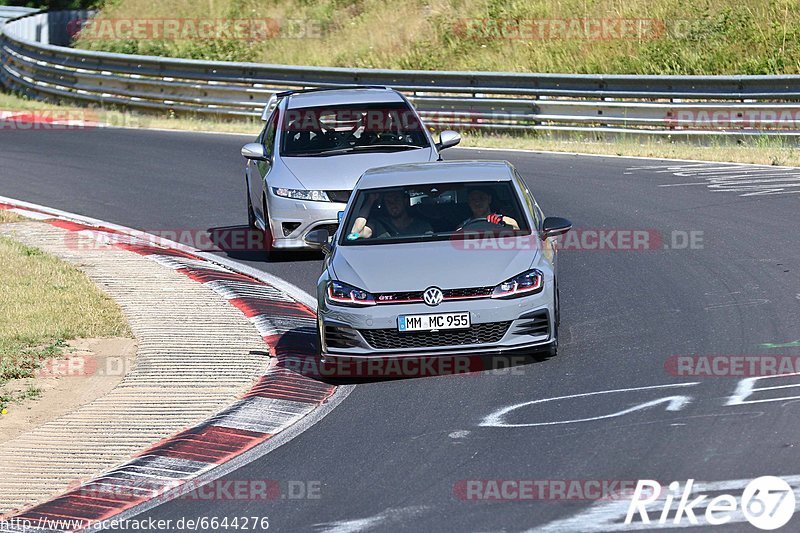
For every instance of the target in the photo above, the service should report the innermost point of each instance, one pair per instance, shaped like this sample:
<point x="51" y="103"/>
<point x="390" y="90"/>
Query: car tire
<point x="251" y="215"/>
<point x="318" y="359"/>
<point x="269" y="251"/>
<point x="552" y="348"/>
<point x="558" y="306"/>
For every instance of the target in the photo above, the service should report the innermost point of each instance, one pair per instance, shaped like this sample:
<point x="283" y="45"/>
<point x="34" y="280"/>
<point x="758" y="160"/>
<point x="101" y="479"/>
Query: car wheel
<point x="552" y="349"/>
<point x="318" y="358"/>
<point x="558" y="306"/>
<point x="268" y="242"/>
<point x="251" y="215"/>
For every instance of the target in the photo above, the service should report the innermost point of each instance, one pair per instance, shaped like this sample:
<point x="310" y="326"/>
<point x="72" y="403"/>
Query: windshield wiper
<point x="322" y="153"/>
<point x="357" y="148"/>
<point x="381" y="147"/>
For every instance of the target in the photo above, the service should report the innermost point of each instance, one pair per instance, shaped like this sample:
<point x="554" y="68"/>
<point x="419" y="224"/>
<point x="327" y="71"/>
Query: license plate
<point x="433" y="322"/>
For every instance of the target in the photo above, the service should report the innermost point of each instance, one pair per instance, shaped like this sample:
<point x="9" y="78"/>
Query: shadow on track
<point x="297" y="351"/>
<point x="247" y="244"/>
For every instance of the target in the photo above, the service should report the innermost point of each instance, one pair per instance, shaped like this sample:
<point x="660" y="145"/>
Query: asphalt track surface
<point x="391" y="454"/>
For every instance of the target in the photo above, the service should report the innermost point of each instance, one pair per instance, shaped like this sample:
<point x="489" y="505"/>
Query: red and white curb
<point x="49" y="119"/>
<point x="277" y="403"/>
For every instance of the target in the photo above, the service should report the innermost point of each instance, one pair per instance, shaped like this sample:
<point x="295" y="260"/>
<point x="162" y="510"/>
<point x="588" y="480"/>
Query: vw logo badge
<point x="433" y="296"/>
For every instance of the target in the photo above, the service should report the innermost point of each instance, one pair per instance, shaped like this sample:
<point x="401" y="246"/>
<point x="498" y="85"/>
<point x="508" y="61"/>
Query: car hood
<point x="341" y="172"/>
<point x="417" y="266"/>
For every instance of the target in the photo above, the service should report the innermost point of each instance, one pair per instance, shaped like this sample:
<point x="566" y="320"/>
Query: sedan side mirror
<point x="447" y="139"/>
<point x="255" y="151"/>
<point x="318" y="239"/>
<point x="555" y="226"/>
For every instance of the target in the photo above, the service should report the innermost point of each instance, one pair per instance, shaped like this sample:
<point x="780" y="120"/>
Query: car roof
<point x="343" y="96"/>
<point x="436" y="172"/>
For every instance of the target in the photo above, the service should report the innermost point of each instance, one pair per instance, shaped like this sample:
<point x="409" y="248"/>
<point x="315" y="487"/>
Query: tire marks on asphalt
<point x="745" y="180"/>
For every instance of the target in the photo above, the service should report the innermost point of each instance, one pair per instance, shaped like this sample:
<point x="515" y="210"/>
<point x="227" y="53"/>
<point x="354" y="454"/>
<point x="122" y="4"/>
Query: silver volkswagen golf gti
<point x="315" y="145"/>
<point x="443" y="258"/>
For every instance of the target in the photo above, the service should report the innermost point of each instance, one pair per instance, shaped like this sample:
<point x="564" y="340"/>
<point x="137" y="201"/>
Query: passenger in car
<point x="396" y="222"/>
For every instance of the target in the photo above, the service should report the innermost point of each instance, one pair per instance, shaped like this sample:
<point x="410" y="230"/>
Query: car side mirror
<point x="254" y="151"/>
<point x="447" y="139"/>
<point x="555" y="226"/>
<point x="319" y="240"/>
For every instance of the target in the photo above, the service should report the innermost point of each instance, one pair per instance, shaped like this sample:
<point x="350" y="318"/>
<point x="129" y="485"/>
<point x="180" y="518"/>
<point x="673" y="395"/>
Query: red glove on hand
<point x="495" y="219"/>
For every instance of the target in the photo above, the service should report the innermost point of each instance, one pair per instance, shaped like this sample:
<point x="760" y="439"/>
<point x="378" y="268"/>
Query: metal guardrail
<point x="10" y="12"/>
<point x="494" y="101"/>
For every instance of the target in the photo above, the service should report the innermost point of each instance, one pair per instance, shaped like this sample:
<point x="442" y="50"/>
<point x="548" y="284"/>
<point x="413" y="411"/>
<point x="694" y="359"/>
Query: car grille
<point x="389" y="339"/>
<point x="289" y="227"/>
<point x="536" y="324"/>
<point x="448" y="294"/>
<point x="336" y="337"/>
<point x="474" y="292"/>
<point x="330" y="228"/>
<point x="339" y="196"/>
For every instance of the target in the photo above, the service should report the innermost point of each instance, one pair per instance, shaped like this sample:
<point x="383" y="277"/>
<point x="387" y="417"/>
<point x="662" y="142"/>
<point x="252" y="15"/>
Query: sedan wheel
<point x="251" y="215"/>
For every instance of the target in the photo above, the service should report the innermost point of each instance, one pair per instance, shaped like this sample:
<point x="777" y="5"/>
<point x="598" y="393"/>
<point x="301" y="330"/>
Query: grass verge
<point x="580" y="36"/>
<point x="757" y="150"/>
<point x="45" y="302"/>
<point x="113" y="117"/>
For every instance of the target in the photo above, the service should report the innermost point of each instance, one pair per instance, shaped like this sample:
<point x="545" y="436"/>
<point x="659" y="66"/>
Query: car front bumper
<point x="291" y="220"/>
<point x="497" y="326"/>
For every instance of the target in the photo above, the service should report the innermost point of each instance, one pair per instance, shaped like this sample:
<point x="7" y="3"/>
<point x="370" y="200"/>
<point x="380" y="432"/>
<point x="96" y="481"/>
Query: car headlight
<point x="344" y="294"/>
<point x="529" y="282"/>
<point x="301" y="194"/>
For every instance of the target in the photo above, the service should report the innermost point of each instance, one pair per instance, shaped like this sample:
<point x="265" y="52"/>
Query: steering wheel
<point x="473" y="222"/>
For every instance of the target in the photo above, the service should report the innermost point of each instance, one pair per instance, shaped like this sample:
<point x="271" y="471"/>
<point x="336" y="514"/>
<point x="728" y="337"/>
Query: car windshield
<point x="342" y="129"/>
<point x="434" y="212"/>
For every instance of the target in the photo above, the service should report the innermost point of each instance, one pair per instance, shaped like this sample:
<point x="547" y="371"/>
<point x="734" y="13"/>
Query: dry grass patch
<point x="45" y="302"/>
<point x="8" y="216"/>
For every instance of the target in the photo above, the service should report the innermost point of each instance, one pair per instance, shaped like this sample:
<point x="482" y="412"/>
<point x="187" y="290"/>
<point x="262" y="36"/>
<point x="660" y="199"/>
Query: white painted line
<point x="674" y="403"/>
<point x="746" y="388"/>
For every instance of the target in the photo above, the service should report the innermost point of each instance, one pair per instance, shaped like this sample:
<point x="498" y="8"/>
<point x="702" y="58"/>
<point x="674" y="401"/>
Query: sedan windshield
<point x="434" y="212"/>
<point x="335" y="130"/>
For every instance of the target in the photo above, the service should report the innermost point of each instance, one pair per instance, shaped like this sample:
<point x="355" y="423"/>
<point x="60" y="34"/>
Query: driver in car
<point x="398" y="223"/>
<point x="480" y="202"/>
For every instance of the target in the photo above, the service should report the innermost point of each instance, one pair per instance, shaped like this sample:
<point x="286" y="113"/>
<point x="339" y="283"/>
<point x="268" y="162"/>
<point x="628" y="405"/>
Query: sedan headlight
<point x="301" y="194"/>
<point x="529" y="282"/>
<point x="344" y="294"/>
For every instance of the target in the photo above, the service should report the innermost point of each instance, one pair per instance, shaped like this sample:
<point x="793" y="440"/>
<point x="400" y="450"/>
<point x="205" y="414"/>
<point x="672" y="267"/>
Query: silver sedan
<point x="316" y="144"/>
<point x="445" y="258"/>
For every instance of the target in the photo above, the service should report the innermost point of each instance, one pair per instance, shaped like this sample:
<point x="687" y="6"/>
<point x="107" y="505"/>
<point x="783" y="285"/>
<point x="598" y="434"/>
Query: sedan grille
<point x="389" y="339"/>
